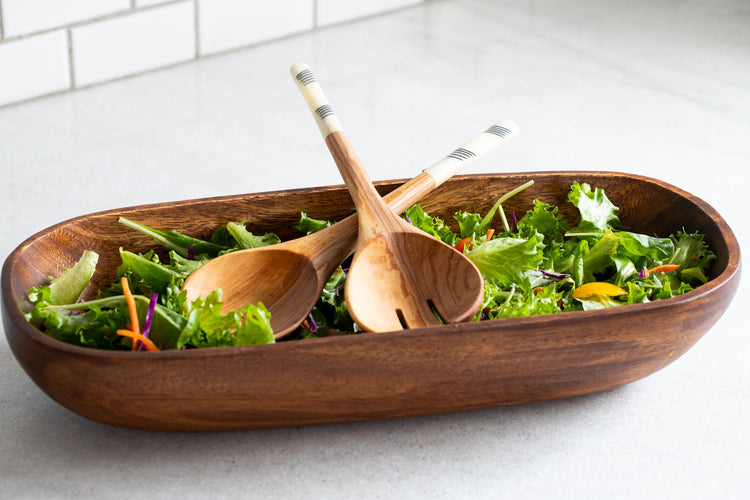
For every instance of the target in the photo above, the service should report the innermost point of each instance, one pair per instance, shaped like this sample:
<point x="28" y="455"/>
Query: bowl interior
<point x="646" y="206"/>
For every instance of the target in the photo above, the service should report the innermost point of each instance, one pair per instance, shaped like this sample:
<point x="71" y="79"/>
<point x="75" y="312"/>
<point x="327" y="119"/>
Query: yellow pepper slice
<point x="597" y="288"/>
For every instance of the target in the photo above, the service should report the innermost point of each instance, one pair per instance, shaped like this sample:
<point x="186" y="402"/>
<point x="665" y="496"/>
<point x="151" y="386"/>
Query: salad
<point x="532" y="264"/>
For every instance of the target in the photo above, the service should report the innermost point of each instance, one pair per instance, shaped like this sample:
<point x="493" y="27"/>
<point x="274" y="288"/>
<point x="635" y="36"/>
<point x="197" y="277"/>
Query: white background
<point x="659" y="88"/>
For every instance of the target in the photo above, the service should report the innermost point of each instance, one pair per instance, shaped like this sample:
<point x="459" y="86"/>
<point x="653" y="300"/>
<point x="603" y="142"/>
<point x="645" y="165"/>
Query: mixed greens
<point x="535" y="264"/>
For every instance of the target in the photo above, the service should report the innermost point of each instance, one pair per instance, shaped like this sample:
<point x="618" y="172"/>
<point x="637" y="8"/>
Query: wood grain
<point x="400" y="274"/>
<point x="365" y="377"/>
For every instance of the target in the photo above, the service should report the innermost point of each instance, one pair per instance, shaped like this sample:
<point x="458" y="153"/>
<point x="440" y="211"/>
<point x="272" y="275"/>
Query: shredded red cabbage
<point x="191" y="253"/>
<point x="554" y="276"/>
<point x="150" y="314"/>
<point x="313" y="324"/>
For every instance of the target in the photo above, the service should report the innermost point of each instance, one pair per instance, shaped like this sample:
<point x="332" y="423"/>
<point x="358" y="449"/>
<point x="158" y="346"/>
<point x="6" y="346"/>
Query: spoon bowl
<point x="404" y="263"/>
<point x="279" y="276"/>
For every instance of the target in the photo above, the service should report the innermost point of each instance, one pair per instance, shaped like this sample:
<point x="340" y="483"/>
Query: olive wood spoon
<point x="400" y="277"/>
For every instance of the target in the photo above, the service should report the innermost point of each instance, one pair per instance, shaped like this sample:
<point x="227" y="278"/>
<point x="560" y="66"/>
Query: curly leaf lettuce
<point x="430" y="225"/>
<point x="505" y="260"/>
<point x="208" y="327"/>
<point x="597" y="212"/>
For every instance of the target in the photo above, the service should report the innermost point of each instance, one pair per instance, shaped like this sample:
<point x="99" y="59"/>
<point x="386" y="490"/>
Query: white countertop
<point x="658" y="88"/>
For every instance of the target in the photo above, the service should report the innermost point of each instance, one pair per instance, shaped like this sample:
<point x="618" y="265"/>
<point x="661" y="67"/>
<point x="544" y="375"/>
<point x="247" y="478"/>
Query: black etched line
<point x="498" y="130"/>
<point x="324" y="111"/>
<point x="305" y="77"/>
<point x="462" y="154"/>
<point x="401" y="319"/>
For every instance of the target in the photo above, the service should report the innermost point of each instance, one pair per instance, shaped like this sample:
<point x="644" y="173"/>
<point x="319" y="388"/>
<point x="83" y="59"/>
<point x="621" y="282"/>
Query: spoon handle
<point x="412" y="191"/>
<point x="316" y="100"/>
<point x="374" y="215"/>
<point x="479" y="146"/>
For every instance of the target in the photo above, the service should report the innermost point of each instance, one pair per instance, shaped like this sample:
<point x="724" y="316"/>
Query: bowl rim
<point x="16" y="316"/>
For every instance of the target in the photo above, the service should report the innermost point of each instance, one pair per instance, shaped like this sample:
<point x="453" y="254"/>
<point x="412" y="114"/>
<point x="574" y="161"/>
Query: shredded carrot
<point x="666" y="268"/>
<point x="147" y="343"/>
<point x="490" y="232"/>
<point x="462" y="244"/>
<point x="130" y="300"/>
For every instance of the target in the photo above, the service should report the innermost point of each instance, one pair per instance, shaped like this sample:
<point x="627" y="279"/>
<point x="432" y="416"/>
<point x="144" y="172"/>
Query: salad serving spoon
<point x="400" y="277"/>
<point x="289" y="277"/>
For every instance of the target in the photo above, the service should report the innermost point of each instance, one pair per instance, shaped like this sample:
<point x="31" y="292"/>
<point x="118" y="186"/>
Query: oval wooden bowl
<point x="367" y="376"/>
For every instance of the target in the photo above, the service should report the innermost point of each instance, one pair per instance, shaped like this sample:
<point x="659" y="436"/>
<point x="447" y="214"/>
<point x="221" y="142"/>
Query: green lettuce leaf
<point x="505" y="260"/>
<point x="208" y="327"/>
<point x="544" y="219"/>
<point x="308" y="225"/>
<point x="68" y="287"/>
<point x="693" y="256"/>
<point x="637" y="245"/>
<point x="597" y="212"/>
<point x="499" y="303"/>
<point x="599" y="256"/>
<point x="146" y="273"/>
<point x="246" y="239"/>
<point x="174" y="240"/>
<point x="431" y="225"/>
<point x="625" y="270"/>
<point x="183" y="266"/>
<point x="469" y="224"/>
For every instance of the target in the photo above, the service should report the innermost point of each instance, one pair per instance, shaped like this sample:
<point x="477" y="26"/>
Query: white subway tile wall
<point x="337" y="11"/>
<point x="21" y="17"/>
<point x="34" y="66"/>
<point x="228" y="24"/>
<point x="51" y="46"/>
<point x="133" y="44"/>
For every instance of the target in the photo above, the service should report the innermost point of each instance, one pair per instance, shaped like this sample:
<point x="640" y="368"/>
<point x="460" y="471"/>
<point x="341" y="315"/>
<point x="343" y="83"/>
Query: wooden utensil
<point x="400" y="277"/>
<point x="289" y="277"/>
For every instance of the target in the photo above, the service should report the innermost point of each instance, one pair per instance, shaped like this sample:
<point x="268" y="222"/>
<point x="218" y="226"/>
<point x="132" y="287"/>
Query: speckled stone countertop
<point x="658" y="88"/>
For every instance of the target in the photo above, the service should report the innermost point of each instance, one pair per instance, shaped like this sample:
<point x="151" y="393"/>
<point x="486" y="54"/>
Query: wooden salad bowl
<point x="367" y="376"/>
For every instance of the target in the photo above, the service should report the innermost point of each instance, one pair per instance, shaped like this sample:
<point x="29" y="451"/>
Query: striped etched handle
<point x="315" y="99"/>
<point x="473" y="150"/>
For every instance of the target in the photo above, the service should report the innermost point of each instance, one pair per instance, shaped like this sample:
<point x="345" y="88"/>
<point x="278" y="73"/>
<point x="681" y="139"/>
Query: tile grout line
<point x="315" y="15"/>
<point x="93" y="20"/>
<point x="71" y="68"/>
<point x="2" y="31"/>
<point x="196" y="28"/>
